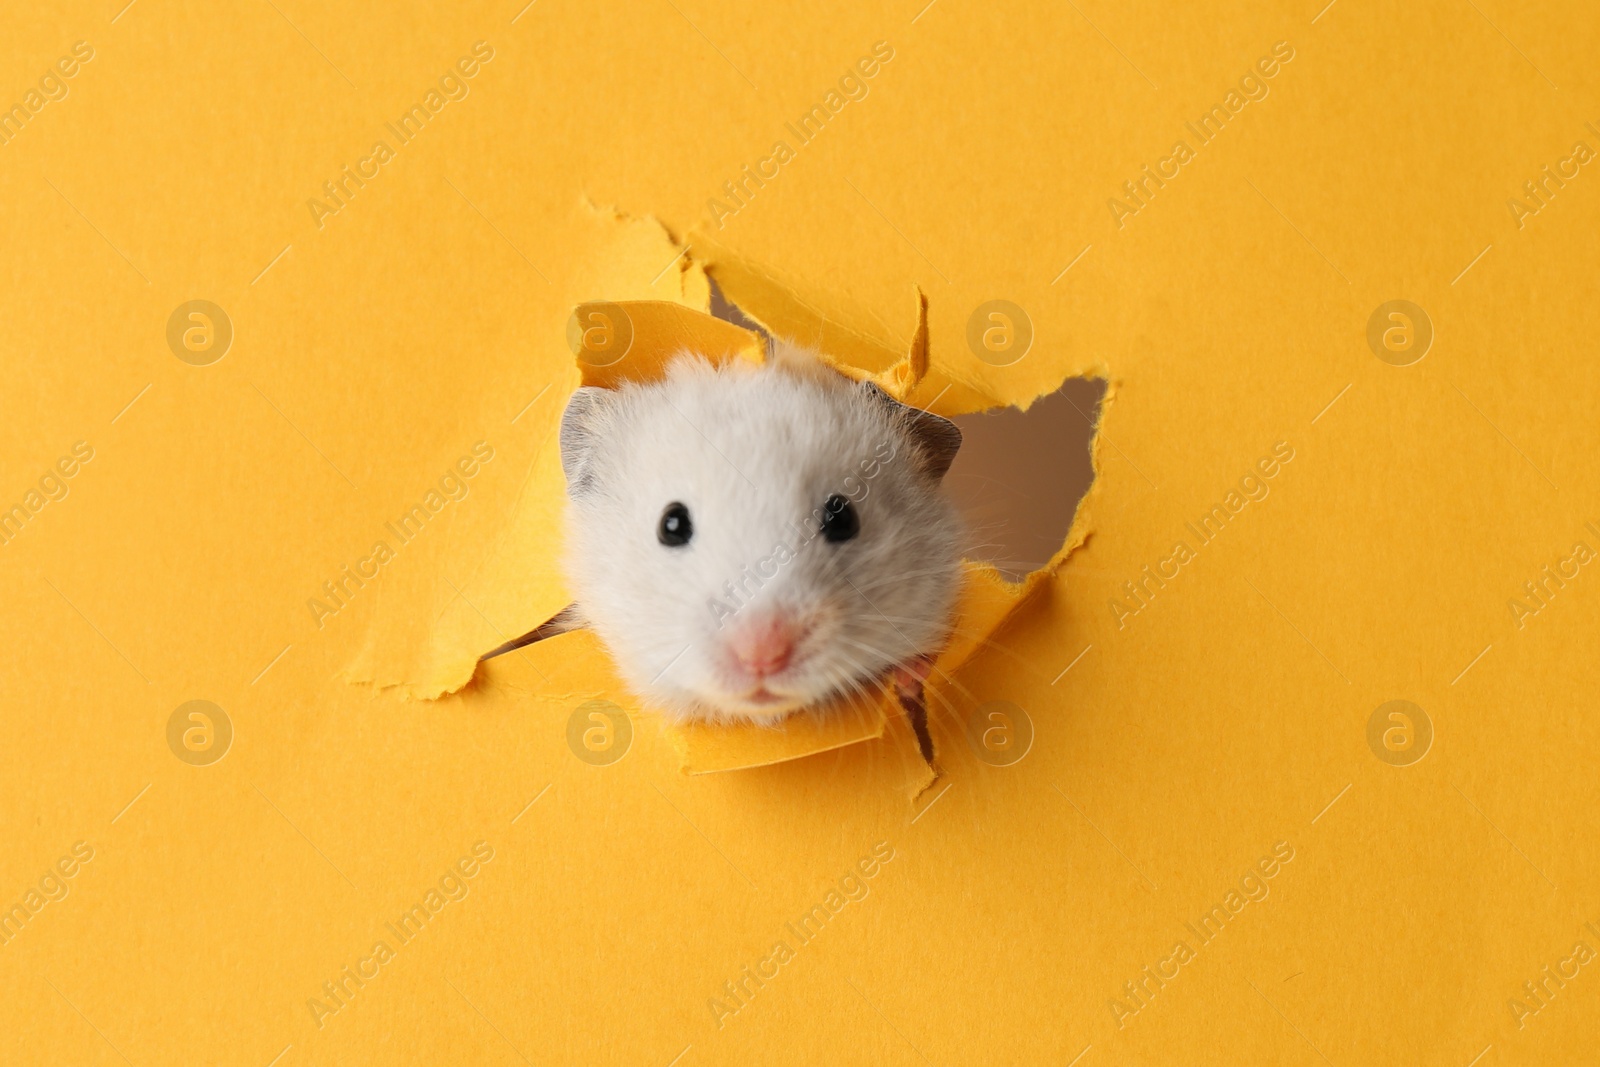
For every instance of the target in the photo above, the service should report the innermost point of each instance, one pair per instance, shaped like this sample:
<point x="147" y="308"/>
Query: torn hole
<point x="1019" y="493"/>
<point x="1021" y="475"/>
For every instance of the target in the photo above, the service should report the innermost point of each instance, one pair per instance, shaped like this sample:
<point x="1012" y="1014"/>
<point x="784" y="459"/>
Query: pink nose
<point x="763" y="645"/>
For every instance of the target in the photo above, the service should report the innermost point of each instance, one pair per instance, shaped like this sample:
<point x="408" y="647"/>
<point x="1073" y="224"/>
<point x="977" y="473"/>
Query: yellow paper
<point x="1377" y="659"/>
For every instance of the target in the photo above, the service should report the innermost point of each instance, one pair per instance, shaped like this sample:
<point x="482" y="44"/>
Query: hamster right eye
<point x="839" y="519"/>
<point x="675" y="529"/>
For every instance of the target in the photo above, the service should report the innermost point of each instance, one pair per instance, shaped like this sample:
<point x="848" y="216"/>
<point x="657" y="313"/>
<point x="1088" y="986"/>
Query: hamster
<point x="751" y="540"/>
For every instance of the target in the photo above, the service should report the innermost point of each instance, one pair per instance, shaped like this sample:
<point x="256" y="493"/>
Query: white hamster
<point x="748" y="541"/>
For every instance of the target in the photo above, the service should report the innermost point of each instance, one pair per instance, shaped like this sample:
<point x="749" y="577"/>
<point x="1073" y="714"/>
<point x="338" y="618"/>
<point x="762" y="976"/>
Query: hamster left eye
<point x="675" y="529"/>
<point x="839" y="519"/>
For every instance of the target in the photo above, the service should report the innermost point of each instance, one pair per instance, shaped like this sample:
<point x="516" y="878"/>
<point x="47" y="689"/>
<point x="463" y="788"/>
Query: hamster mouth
<point x="764" y="700"/>
<point x="777" y="689"/>
<point x="761" y="701"/>
<point x="769" y="691"/>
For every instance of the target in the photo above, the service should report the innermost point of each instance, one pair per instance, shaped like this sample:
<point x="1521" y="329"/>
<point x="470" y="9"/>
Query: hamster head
<point x="750" y="540"/>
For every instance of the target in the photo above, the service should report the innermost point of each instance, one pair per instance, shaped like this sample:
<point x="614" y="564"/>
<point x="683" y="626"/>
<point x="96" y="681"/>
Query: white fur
<point x="753" y="452"/>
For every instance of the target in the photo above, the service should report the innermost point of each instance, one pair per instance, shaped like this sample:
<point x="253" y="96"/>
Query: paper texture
<point x="1291" y="760"/>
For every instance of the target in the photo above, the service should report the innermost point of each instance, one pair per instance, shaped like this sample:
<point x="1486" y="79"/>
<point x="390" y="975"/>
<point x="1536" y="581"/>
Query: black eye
<point x="839" y="519"/>
<point x="675" y="528"/>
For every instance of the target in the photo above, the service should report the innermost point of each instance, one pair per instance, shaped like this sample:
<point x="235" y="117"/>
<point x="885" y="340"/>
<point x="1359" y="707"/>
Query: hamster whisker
<point x="885" y="656"/>
<point x="969" y="694"/>
<point x="954" y="720"/>
<point x="901" y="576"/>
<point x="964" y="631"/>
<point x="848" y="685"/>
<point x="858" y="679"/>
<point x="881" y="615"/>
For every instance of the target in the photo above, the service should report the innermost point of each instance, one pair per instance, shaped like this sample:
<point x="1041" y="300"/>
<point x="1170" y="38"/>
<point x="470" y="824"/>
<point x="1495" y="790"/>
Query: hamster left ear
<point x="936" y="437"/>
<point x="578" y="433"/>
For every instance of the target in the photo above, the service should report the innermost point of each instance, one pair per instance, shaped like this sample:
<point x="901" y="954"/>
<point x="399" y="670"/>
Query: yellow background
<point x="371" y="352"/>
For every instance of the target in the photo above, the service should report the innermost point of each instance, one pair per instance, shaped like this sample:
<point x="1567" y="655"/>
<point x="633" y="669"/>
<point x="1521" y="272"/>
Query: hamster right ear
<point x="580" y="429"/>
<point x="936" y="437"/>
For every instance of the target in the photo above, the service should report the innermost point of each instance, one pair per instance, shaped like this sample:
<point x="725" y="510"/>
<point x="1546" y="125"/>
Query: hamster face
<point x="749" y="540"/>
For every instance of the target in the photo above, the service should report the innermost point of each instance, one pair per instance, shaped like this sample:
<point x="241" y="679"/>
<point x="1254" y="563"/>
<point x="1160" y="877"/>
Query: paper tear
<point x="1021" y="475"/>
<point x="429" y="637"/>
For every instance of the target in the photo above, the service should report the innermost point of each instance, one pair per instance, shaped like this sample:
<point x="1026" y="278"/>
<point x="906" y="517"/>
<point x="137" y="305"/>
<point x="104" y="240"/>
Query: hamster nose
<point x="764" y="645"/>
